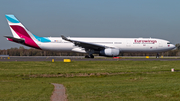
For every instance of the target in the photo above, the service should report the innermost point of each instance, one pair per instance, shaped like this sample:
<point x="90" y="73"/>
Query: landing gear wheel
<point x="87" y="56"/>
<point x="157" y="56"/>
<point x="91" y="56"/>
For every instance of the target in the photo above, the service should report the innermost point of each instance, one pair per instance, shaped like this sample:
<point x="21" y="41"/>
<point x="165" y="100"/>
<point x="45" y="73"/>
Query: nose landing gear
<point x="89" y="56"/>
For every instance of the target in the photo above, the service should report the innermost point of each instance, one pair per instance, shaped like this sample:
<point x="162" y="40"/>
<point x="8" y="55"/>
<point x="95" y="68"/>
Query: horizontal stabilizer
<point x="18" y="40"/>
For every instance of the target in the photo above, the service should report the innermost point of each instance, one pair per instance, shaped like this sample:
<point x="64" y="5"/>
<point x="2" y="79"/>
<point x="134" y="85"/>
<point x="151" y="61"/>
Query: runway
<point x="81" y="58"/>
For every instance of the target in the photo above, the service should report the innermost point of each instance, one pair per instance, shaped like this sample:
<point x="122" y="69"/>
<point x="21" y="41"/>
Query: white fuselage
<point x="123" y="44"/>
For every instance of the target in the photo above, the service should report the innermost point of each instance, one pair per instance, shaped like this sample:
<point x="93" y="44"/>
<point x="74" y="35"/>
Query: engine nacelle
<point x="109" y="52"/>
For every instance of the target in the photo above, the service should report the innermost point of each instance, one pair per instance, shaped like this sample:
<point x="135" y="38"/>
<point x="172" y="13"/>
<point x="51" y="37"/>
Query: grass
<point x="132" y="80"/>
<point x="26" y="68"/>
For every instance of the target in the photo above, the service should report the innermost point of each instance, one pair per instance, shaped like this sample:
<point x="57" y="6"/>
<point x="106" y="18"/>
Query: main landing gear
<point x="157" y="56"/>
<point x="89" y="56"/>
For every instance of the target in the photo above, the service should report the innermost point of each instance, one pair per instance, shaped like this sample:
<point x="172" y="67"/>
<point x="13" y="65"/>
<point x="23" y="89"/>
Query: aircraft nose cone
<point x="173" y="46"/>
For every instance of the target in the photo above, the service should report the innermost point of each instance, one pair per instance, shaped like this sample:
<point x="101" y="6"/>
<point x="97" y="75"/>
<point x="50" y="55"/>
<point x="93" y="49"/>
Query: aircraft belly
<point x="57" y="46"/>
<point x="147" y="49"/>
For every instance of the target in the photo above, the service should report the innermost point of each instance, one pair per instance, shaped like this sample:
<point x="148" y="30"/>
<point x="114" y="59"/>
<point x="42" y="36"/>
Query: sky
<point x="93" y="18"/>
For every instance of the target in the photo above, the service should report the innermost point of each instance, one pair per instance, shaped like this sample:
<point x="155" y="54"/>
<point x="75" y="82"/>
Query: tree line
<point x="21" y="51"/>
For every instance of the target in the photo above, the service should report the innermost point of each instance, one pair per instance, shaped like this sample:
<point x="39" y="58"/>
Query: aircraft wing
<point x="85" y="45"/>
<point x="18" y="40"/>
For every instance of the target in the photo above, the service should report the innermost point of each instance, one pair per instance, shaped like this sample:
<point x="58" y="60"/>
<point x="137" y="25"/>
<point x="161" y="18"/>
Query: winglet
<point x="63" y="37"/>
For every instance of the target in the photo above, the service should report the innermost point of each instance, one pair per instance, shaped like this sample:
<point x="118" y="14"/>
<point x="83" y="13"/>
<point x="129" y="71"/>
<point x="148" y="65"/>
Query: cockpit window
<point x="168" y="43"/>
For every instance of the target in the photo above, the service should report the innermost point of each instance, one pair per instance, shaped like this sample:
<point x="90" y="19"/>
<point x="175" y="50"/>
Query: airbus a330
<point x="110" y="47"/>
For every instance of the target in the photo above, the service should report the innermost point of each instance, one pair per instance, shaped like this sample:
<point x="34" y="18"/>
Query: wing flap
<point x="85" y="45"/>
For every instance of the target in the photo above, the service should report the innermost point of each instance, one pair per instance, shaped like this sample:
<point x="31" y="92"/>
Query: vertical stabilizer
<point x="11" y="19"/>
<point x="19" y="31"/>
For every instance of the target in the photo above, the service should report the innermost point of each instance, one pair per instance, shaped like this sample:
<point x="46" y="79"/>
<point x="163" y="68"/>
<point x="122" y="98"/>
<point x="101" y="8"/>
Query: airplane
<point x="109" y="47"/>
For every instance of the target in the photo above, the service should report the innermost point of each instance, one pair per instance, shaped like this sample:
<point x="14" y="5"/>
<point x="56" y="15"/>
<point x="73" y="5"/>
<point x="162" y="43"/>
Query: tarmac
<point x="81" y="58"/>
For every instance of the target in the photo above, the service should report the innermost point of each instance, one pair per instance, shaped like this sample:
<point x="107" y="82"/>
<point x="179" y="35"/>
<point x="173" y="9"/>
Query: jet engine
<point x="109" y="52"/>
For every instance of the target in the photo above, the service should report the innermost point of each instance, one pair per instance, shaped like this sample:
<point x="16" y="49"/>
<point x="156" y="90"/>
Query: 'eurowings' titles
<point x="145" y="41"/>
